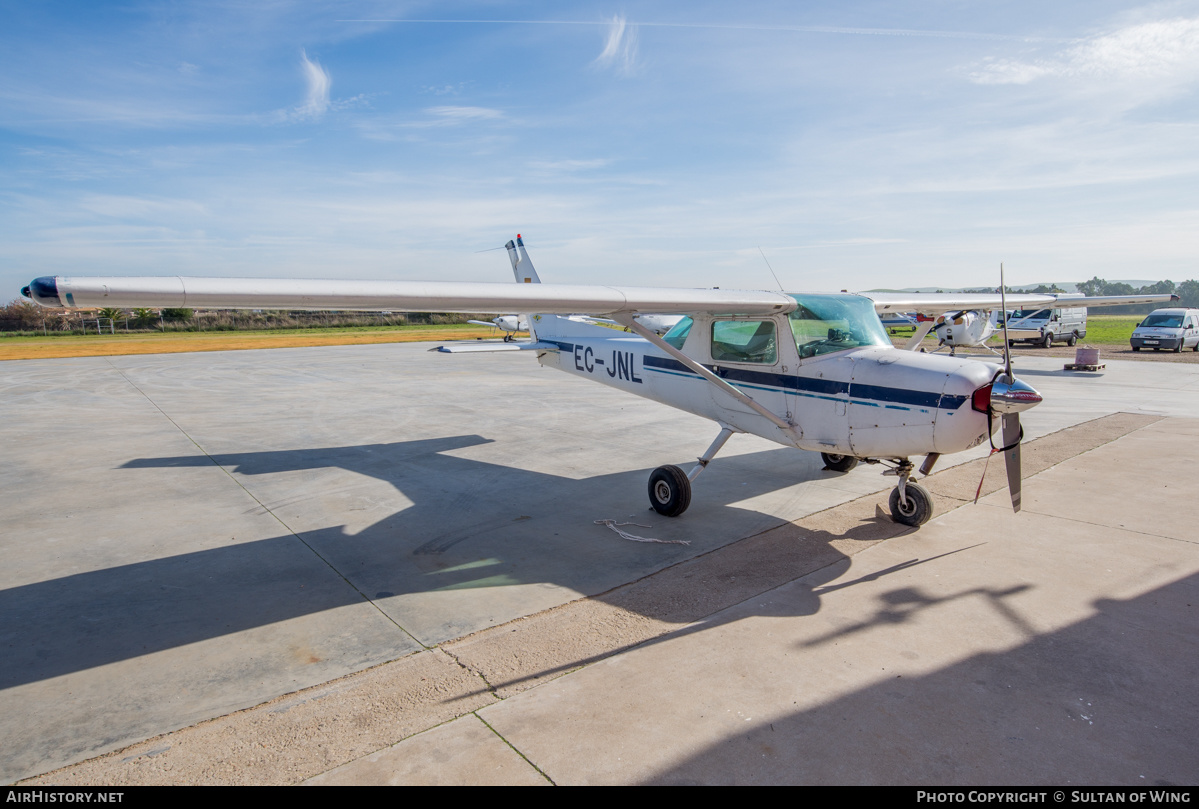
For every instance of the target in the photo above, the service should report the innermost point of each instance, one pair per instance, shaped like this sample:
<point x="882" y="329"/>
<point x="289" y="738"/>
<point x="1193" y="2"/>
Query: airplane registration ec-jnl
<point x="813" y="371"/>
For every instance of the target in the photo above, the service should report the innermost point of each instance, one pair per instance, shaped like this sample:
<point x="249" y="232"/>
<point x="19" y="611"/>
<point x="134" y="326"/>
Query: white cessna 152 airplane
<point x="815" y="371"/>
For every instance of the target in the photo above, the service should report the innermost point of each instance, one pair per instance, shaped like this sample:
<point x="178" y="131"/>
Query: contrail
<point x="804" y="29"/>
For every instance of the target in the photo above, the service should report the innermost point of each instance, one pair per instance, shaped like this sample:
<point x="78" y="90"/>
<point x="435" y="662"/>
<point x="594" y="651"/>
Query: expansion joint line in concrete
<point x="471" y="670"/>
<point x="514" y="749"/>
<point x="264" y="507"/>
<point x="1120" y="527"/>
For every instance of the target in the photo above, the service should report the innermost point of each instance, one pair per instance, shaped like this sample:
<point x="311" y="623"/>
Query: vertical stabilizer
<point x="522" y="267"/>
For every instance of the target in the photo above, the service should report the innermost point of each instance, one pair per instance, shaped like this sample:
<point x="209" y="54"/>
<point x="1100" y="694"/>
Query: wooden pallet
<point x="1078" y="366"/>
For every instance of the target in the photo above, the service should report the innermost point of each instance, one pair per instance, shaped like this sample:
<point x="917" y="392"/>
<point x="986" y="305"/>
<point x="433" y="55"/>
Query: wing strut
<point x="642" y="331"/>
<point x="921" y="332"/>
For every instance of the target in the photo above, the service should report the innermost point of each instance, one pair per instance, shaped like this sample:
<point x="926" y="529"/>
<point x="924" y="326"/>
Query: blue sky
<point x="857" y="144"/>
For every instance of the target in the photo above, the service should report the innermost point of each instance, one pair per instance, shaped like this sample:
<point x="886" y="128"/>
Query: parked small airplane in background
<point x="815" y="371"/>
<point x="509" y="324"/>
<point x="1064" y="320"/>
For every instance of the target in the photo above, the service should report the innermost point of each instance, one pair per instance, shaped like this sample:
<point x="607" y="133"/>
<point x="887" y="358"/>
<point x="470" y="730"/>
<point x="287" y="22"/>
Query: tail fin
<point x="522" y="267"/>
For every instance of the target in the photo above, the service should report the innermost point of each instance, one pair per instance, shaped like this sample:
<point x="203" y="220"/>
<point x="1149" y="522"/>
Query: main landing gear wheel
<point x="917" y="510"/>
<point x="669" y="491"/>
<point x="839" y="463"/>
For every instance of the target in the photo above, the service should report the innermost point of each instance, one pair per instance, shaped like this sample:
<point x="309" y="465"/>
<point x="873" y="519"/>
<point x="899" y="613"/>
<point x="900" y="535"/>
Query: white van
<point x="1174" y="329"/>
<point x="1044" y="327"/>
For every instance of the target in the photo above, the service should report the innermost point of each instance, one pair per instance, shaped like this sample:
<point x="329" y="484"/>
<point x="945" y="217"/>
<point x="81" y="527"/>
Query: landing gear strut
<point x="910" y="503"/>
<point x="670" y="486"/>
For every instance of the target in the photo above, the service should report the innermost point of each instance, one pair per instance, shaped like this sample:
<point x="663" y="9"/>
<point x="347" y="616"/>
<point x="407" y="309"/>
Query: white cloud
<point x="456" y="115"/>
<point x="569" y="165"/>
<point x="620" y="47"/>
<point x="1162" y="50"/>
<point x="319" y="84"/>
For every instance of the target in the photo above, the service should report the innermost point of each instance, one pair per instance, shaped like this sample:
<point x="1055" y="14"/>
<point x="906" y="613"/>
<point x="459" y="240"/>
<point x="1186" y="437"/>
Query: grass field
<point x="1110" y="330"/>
<point x="1102" y="330"/>
<point x="29" y="348"/>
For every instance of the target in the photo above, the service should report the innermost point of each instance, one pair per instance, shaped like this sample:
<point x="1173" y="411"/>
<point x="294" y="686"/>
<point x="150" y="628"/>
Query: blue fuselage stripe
<point x="818" y="388"/>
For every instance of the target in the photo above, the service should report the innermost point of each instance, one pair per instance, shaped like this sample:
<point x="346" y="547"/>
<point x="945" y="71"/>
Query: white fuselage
<point x="964" y="329"/>
<point x="874" y="401"/>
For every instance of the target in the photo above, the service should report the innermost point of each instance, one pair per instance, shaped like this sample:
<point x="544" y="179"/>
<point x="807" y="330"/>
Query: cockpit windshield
<point x="826" y="323"/>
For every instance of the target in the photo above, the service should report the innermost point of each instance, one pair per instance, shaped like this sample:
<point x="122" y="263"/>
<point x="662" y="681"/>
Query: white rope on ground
<point x="625" y="535"/>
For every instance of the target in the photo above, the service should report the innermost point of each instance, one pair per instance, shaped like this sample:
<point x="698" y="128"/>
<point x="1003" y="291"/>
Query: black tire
<point x="1178" y="350"/>
<point x="838" y="463"/>
<point x="1072" y="340"/>
<point x="1136" y="348"/>
<point x="917" y="511"/>
<point x="1047" y="341"/>
<point x="669" y="491"/>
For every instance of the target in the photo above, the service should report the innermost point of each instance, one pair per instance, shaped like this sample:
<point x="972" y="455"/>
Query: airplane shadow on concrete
<point x="472" y="525"/>
<point x="1106" y="700"/>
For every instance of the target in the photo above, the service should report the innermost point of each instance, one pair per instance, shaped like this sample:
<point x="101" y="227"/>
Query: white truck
<point x="1061" y="324"/>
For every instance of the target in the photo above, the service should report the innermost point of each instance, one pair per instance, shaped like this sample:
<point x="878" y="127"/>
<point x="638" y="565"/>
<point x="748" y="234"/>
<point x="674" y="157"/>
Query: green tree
<point x="1160" y="288"/>
<point x="177" y="314"/>
<point x="1093" y="287"/>
<point x="19" y="315"/>
<point x="1189" y="292"/>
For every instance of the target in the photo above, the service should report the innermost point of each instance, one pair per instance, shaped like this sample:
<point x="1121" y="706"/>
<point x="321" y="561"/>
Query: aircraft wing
<point x="939" y="302"/>
<point x="401" y="296"/>
<point x="1115" y="300"/>
<point x="935" y="303"/>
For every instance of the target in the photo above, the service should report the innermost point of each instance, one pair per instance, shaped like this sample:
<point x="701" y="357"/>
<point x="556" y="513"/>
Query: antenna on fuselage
<point x="776" y="278"/>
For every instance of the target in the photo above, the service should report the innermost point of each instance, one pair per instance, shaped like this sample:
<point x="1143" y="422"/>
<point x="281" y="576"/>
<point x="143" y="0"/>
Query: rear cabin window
<point x="678" y="333"/>
<point x="744" y="341"/>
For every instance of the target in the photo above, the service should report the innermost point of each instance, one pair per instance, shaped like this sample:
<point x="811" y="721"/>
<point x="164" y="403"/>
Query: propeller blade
<point x="1011" y="455"/>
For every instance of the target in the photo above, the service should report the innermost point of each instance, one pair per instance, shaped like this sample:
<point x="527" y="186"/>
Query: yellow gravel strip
<point x="36" y="348"/>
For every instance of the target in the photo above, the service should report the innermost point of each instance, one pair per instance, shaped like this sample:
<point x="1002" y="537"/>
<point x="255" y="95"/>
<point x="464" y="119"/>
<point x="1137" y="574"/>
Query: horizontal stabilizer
<point x="482" y="348"/>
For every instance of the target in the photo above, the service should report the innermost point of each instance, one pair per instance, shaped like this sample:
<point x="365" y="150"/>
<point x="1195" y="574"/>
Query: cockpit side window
<point x="744" y="341"/>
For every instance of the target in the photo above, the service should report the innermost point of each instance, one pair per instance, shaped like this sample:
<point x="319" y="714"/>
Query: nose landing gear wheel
<point x="838" y="463"/>
<point x="669" y="491"/>
<point x="917" y="510"/>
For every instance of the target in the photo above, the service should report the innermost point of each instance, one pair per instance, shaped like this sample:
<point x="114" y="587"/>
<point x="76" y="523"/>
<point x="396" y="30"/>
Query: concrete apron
<point x="1052" y="646"/>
